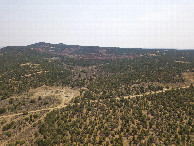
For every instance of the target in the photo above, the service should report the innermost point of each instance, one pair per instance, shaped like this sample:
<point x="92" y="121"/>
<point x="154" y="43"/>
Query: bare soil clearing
<point x="189" y="76"/>
<point x="62" y="94"/>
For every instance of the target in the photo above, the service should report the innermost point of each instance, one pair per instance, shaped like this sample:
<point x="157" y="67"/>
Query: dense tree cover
<point x="140" y="75"/>
<point x="165" y="119"/>
<point x="100" y="117"/>
<point x="2" y="110"/>
<point x="23" y="68"/>
<point x="84" y="62"/>
<point x="135" y="76"/>
<point x="107" y="112"/>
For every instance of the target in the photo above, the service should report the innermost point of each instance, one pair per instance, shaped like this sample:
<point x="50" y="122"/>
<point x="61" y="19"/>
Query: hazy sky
<point x="122" y="23"/>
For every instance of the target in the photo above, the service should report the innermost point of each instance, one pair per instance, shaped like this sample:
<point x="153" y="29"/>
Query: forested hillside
<point x="23" y="68"/>
<point x="54" y="94"/>
<point x="165" y="119"/>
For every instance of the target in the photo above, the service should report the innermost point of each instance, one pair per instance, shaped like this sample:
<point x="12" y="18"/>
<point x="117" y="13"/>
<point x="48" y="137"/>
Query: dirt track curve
<point x="62" y="105"/>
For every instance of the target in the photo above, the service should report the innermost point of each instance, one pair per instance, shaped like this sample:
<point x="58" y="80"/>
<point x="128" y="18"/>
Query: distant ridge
<point x="44" y="44"/>
<point x="167" y="48"/>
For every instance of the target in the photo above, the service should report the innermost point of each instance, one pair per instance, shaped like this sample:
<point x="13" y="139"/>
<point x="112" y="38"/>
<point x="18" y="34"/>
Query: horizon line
<point x="3" y="46"/>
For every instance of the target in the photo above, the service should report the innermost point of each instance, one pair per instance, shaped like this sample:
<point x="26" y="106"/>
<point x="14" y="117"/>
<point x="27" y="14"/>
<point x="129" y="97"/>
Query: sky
<point x="118" y="23"/>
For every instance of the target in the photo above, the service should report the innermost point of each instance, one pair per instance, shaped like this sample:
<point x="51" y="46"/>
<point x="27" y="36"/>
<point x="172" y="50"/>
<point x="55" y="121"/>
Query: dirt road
<point x="66" y="96"/>
<point x="72" y="95"/>
<point x="152" y="92"/>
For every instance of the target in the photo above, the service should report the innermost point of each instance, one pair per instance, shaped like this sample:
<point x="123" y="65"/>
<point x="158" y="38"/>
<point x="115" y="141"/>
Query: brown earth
<point x="64" y="94"/>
